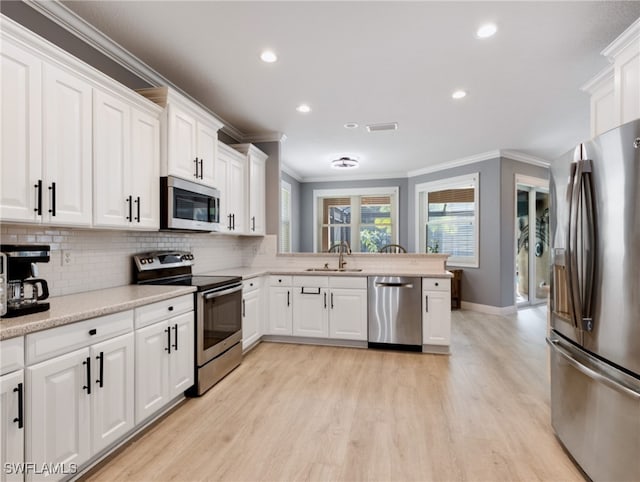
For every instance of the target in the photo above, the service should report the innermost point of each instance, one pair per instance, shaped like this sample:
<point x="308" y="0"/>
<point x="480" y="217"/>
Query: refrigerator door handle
<point x="571" y="262"/>
<point x="591" y="373"/>
<point x="590" y="249"/>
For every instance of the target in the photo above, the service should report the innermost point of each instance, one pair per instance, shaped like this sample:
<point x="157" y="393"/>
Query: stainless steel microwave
<point x="189" y="206"/>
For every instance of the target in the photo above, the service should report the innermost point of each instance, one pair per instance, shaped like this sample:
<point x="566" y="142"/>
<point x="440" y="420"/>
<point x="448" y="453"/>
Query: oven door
<point x="219" y="321"/>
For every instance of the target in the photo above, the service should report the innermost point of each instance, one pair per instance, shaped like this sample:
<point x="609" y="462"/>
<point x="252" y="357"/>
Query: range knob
<point x="149" y="260"/>
<point x="190" y="256"/>
<point x="143" y="261"/>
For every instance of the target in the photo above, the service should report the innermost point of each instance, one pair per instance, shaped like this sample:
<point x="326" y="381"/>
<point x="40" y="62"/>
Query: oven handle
<point x="216" y="294"/>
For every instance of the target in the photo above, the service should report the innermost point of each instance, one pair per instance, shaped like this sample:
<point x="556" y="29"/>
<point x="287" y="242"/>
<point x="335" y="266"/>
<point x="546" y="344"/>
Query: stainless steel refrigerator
<point x="595" y="304"/>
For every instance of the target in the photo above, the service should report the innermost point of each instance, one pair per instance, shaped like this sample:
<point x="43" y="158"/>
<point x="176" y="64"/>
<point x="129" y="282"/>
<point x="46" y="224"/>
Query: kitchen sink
<point x="340" y="270"/>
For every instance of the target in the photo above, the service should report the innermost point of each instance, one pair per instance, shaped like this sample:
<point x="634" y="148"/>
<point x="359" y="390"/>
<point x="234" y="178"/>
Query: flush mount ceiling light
<point x="268" y="56"/>
<point x="350" y="125"/>
<point x="459" y="94"/>
<point x="304" y="108"/>
<point x="487" y="30"/>
<point x="345" y="163"/>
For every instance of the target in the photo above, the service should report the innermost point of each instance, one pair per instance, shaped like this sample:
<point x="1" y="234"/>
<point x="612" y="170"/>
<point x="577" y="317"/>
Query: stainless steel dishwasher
<point x="395" y="313"/>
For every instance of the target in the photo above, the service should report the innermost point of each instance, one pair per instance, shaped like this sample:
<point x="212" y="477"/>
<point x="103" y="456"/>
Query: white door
<point x="280" y="311"/>
<point x="67" y="148"/>
<point x="181" y="359"/>
<point x="113" y="204"/>
<point x="310" y="312"/>
<point x="257" y="179"/>
<point x="182" y="144"/>
<point x="11" y="427"/>
<point x="207" y="153"/>
<point x="436" y="321"/>
<point x="21" y="133"/>
<point x="113" y="390"/>
<point x="152" y="369"/>
<point x="251" y="311"/>
<point x="144" y="170"/>
<point x="236" y="192"/>
<point x="348" y="314"/>
<point x="58" y="411"/>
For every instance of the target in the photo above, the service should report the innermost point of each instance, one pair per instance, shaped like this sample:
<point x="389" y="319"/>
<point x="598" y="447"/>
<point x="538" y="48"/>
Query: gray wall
<point x="306" y="218"/>
<point x="295" y="210"/>
<point x="272" y="188"/>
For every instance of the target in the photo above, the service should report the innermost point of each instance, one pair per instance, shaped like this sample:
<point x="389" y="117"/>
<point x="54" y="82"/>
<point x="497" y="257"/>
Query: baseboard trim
<point x="436" y="349"/>
<point x="301" y="340"/>
<point x="488" y="309"/>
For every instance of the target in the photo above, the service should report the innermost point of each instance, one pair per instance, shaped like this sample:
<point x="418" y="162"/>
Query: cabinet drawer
<point x="311" y="281"/>
<point x="252" y="284"/>
<point x="280" y="280"/>
<point x="357" y="282"/>
<point x="436" y="284"/>
<point x="11" y="354"/>
<point x="63" y="339"/>
<point x="162" y="310"/>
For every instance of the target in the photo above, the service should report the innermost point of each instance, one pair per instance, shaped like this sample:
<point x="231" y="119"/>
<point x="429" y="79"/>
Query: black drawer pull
<point x="93" y="331"/>
<point x="170" y="308"/>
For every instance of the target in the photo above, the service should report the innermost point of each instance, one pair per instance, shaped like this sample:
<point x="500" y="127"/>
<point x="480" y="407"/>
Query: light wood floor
<point x="294" y="412"/>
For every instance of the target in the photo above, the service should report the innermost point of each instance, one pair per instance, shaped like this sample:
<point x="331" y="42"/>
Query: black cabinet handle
<point x="129" y="200"/>
<point x="244" y="311"/>
<point x="201" y="169"/>
<point x="170" y="308"/>
<point x="253" y="222"/>
<point x="93" y="331"/>
<point x="229" y="216"/>
<point x="20" y="417"/>
<point x="175" y="337"/>
<point x="168" y="332"/>
<point x="52" y="189"/>
<point x="331" y="300"/>
<point x="288" y="298"/>
<point x="100" y="380"/>
<point x="196" y="161"/>
<point x="87" y="387"/>
<point x="38" y="187"/>
<point x="325" y="301"/>
<point x="426" y="304"/>
<point x="137" y="201"/>
<point x="437" y="284"/>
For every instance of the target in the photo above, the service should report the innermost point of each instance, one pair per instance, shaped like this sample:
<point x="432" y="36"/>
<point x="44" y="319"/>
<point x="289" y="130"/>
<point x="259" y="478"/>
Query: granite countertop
<point x="90" y="304"/>
<point x="247" y="272"/>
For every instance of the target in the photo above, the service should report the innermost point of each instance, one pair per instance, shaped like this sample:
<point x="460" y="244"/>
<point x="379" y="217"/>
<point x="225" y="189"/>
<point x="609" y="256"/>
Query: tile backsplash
<point x="102" y="258"/>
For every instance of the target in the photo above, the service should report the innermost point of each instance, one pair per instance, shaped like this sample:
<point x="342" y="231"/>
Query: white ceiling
<point x="374" y="62"/>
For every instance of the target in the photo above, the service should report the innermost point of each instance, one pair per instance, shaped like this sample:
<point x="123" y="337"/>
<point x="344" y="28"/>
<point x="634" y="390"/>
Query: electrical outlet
<point x="67" y="257"/>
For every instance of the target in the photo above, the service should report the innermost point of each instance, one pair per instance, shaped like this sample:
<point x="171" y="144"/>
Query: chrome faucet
<point x="343" y="247"/>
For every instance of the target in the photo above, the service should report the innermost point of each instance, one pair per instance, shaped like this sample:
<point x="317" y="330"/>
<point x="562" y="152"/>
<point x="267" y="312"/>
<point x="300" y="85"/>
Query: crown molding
<point x="485" y="156"/>
<point x="631" y="34"/>
<point x="266" y="137"/>
<point x="598" y="80"/>
<point x="364" y="177"/>
<point x="77" y="26"/>
<point x="526" y="158"/>
<point x="289" y="171"/>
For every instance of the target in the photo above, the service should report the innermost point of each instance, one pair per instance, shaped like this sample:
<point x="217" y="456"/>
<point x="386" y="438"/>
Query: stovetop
<point x="202" y="283"/>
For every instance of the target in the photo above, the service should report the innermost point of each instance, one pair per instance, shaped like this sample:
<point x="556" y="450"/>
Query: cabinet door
<point x="181" y="359"/>
<point x="111" y="159"/>
<point x="436" y="321"/>
<point x="280" y="311"/>
<point x="67" y="148"/>
<point x="251" y="310"/>
<point x="11" y="433"/>
<point x="257" y="179"/>
<point x="21" y="133"/>
<point x="145" y="169"/>
<point x="310" y="312"/>
<point x="152" y="369"/>
<point x="182" y="144"/>
<point x="207" y="153"/>
<point x="348" y="314"/>
<point x="112" y="398"/>
<point x="237" y="191"/>
<point x="58" y="410"/>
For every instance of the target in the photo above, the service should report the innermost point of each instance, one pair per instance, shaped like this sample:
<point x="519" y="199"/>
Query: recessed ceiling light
<point x="268" y="56"/>
<point x="487" y="30"/>
<point x="459" y="94"/>
<point x="345" y="163"/>
<point x="304" y="108"/>
<point x="350" y="125"/>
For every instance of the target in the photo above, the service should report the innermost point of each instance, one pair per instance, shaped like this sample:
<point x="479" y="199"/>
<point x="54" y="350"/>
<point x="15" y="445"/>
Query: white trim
<point x="598" y="80"/>
<point x="364" y="177"/>
<point x="287" y="169"/>
<point x="485" y="156"/>
<point x="361" y="191"/>
<point x="526" y="158"/>
<point x="284" y="185"/>
<point x="472" y="179"/>
<point x="631" y="34"/>
<point x="489" y="309"/>
<point x="266" y="137"/>
<point x="74" y="24"/>
<point x="531" y="181"/>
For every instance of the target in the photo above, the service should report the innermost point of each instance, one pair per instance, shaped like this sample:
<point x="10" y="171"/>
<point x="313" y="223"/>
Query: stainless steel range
<point x="218" y="312"/>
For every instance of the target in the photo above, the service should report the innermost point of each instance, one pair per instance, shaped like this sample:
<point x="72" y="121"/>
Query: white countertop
<point x="248" y="272"/>
<point x="90" y="304"/>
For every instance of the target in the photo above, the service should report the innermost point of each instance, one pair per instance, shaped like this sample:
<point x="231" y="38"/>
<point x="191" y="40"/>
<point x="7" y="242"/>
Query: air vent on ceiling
<point x="389" y="126"/>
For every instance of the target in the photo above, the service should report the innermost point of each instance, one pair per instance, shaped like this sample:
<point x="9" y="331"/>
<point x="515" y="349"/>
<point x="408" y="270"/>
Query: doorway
<point x="531" y="241"/>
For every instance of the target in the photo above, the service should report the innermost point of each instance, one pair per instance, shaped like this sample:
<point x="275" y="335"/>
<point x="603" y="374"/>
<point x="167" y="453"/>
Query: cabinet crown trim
<point x="626" y="38"/>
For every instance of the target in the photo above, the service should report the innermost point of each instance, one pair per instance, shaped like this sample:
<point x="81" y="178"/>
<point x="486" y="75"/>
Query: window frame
<point x="421" y="218"/>
<point x="392" y="191"/>
<point x="285" y="186"/>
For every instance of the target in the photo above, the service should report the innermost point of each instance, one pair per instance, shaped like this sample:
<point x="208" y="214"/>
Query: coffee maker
<point x="24" y="292"/>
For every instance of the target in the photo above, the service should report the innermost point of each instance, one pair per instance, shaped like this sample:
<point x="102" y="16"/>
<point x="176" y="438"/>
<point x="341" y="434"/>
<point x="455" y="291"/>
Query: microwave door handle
<point x="217" y="294"/>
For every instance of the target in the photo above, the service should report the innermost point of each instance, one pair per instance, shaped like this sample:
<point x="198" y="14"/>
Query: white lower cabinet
<point x="164" y="363"/>
<point x="251" y="312"/>
<point x="310" y="306"/>
<point x="11" y="425"/>
<point x="280" y="306"/>
<point x="436" y="311"/>
<point x="348" y="316"/>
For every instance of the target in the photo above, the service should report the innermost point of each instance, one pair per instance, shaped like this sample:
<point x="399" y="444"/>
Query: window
<point x="364" y="218"/>
<point x="448" y="219"/>
<point x="285" y="217"/>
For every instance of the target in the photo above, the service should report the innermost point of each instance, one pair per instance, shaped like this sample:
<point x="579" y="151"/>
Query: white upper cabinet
<point x="189" y="137"/>
<point x="256" y="161"/>
<point x="145" y="167"/>
<point x="615" y="92"/>
<point x="231" y="175"/>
